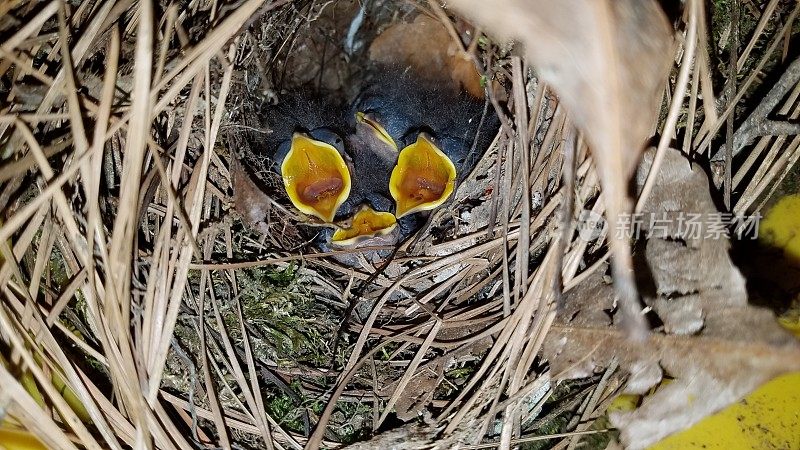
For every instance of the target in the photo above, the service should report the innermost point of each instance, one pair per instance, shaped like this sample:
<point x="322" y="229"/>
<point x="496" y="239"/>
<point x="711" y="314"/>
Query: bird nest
<point x="140" y="307"/>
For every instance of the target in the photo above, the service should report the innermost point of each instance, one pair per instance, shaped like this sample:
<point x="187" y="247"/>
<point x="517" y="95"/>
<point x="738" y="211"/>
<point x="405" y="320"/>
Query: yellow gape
<point x="316" y="177"/>
<point x="423" y="178"/>
<point x="366" y="223"/>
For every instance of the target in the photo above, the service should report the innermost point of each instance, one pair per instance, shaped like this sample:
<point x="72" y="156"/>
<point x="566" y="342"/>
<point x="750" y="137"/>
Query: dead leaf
<point x="249" y="200"/>
<point x="427" y="48"/>
<point x="722" y="348"/>
<point x="709" y="372"/>
<point x="685" y="232"/>
<point x="608" y="61"/>
<point x="417" y="395"/>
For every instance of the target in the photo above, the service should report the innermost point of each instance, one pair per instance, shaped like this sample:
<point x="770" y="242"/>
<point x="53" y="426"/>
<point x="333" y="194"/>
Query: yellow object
<point x="28" y="381"/>
<point x="13" y="438"/>
<point x="72" y="399"/>
<point x="768" y="418"/>
<point x="624" y="403"/>
<point x="423" y="178"/>
<point x="791" y="321"/>
<point x="366" y="223"/>
<point x="781" y="227"/>
<point x="316" y="177"/>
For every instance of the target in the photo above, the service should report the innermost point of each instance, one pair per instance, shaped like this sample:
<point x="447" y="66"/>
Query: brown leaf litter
<point x="715" y="348"/>
<point x="425" y="47"/>
<point x="460" y="298"/>
<point x="608" y="61"/>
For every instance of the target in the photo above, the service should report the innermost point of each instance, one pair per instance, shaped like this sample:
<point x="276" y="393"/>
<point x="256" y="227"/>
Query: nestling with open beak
<point x="328" y="170"/>
<point x="368" y="173"/>
<point x="439" y="133"/>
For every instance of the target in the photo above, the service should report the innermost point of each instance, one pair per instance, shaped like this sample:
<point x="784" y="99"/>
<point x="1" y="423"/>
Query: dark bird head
<point x="439" y="133"/>
<point x="369" y="173"/>
<point x="332" y="169"/>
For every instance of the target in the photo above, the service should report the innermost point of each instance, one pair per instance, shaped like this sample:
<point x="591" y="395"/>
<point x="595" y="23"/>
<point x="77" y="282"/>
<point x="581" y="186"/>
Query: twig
<point x="757" y="124"/>
<point x="733" y="50"/>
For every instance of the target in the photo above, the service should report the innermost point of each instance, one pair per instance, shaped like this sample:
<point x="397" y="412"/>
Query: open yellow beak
<point x="423" y="178"/>
<point x="315" y="177"/>
<point x="366" y="223"/>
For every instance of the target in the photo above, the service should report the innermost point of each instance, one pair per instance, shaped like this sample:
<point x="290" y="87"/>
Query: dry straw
<point x="117" y="243"/>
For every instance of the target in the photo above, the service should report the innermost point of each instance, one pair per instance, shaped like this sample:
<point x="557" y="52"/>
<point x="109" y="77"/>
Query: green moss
<point x="456" y="378"/>
<point x="296" y="327"/>
<point x="285" y="323"/>
<point x="58" y="268"/>
<point x="557" y="413"/>
<point x="553" y="427"/>
<point x="286" y="411"/>
<point x="354" y="420"/>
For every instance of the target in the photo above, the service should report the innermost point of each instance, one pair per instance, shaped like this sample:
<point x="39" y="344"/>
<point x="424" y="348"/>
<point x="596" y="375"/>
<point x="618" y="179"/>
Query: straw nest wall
<point x="139" y="309"/>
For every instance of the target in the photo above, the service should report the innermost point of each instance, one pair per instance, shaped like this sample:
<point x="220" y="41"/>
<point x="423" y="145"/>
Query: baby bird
<point x="438" y="134"/>
<point x="368" y="172"/>
<point x="325" y="161"/>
